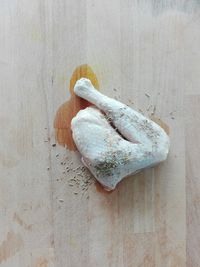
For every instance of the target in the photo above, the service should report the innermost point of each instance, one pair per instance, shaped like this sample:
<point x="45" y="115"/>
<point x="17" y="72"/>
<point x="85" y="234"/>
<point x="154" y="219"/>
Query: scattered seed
<point x="147" y="95"/>
<point x="149" y="107"/>
<point x="53" y="145"/>
<point x="61" y="200"/>
<point x="154" y="110"/>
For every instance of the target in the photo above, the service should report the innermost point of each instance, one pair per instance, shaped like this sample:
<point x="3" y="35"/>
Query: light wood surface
<point x="137" y="47"/>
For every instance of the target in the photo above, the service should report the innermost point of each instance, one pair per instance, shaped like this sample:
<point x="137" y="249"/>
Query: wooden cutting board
<point x="52" y="212"/>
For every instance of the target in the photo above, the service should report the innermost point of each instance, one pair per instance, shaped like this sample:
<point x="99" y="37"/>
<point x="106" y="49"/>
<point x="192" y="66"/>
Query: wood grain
<point x="135" y="48"/>
<point x="192" y="177"/>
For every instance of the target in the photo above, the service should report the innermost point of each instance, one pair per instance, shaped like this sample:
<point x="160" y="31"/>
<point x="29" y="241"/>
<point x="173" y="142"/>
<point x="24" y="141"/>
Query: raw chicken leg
<point x="108" y="155"/>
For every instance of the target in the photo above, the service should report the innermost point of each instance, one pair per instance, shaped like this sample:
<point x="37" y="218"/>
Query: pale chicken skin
<point x="112" y="154"/>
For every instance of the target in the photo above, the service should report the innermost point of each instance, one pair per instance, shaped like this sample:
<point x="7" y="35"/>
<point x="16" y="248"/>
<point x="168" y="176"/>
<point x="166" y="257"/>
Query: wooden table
<point x="138" y="48"/>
